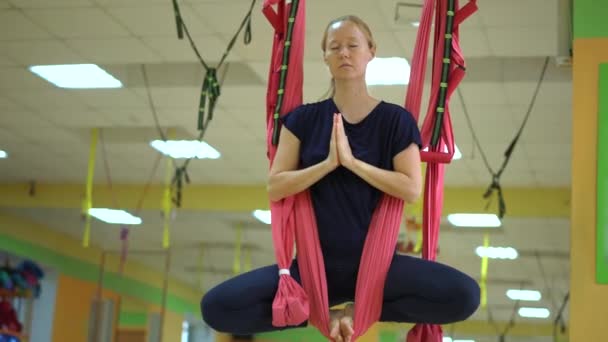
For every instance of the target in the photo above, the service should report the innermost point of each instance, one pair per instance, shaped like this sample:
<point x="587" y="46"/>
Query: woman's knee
<point x="467" y="297"/>
<point x="213" y="313"/>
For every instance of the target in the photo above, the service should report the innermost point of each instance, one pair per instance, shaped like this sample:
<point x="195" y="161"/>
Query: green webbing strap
<point x="178" y="20"/>
<point x="283" y="75"/>
<point x="445" y="73"/>
<point x="211" y="85"/>
<point x="211" y="89"/>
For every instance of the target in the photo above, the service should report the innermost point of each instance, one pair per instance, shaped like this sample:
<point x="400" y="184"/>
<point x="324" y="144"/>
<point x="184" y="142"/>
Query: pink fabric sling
<point x="293" y="218"/>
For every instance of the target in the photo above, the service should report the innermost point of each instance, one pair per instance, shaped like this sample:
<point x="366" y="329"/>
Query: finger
<point x="346" y="328"/>
<point x="335" y="335"/>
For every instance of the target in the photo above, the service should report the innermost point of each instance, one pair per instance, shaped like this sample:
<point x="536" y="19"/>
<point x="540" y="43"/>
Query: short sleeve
<point x="406" y="132"/>
<point x="295" y="121"/>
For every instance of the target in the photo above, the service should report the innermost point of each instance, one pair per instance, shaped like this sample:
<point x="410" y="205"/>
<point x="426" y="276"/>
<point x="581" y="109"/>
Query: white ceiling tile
<point x="82" y="23"/>
<point x="260" y="47"/>
<point x="6" y="61"/>
<point x="38" y="52"/>
<point x="125" y="117"/>
<point x="24" y="119"/>
<point x="21" y="78"/>
<point x="116" y="50"/>
<point x="172" y="97"/>
<point x="130" y="3"/>
<point x="6" y="103"/>
<point x="238" y="97"/>
<point x="8" y="137"/>
<point x="111" y="98"/>
<point x="222" y="17"/>
<point x="173" y="49"/>
<point x="53" y="98"/>
<point x="546" y="124"/>
<point x="549" y="151"/>
<point x="15" y="26"/>
<point x="523" y="41"/>
<point x="53" y="136"/>
<point x="475" y="43"/>
<point x="75" y="118"/>
<point x="158" y="20"/>
<point x="475" y="93"/>
<point x="51" y="4"/>
<point x="518" y="13"/>
<point x="406" y="41"/>
<point x="458" y="174"/>
<point x="183" y="117"/>
<point x="521" y="93"/>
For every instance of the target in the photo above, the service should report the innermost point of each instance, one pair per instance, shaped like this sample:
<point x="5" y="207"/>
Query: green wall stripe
<point x="601" y="263"/>
<point x="89" y="272"/>
<point x="308" y="334"/>
<point x="388" y="336"/>
<point x="590" y="18"/>
<point x="132" y="319"/>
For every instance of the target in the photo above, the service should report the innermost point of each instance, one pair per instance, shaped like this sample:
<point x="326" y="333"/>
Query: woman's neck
<point x="353" y="100"/>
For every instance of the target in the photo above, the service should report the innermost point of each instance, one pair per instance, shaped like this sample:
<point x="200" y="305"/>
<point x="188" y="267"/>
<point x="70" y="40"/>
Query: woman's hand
<point x="335" y="331"/>
<point x="345" y="154"/>
<point x="341" y="324"/>
<point x="332" y="158"/>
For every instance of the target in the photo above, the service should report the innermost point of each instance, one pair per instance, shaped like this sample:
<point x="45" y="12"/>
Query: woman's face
<point x="347" y="51"/>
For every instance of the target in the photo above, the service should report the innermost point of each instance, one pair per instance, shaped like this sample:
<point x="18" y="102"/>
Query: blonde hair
<point x="371" y="43"/>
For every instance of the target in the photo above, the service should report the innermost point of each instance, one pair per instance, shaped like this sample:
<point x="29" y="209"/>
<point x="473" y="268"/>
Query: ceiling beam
<point x="520" y="202"/>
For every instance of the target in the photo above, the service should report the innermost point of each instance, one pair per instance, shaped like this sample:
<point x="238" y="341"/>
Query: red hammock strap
<point x="413" y="99"/>
<point x="290" y="305"/>
<point x="378" y="252"/>
<point x="272" y="16"/>
<point x="465" y="12"/>
<point x="439" y="154"/>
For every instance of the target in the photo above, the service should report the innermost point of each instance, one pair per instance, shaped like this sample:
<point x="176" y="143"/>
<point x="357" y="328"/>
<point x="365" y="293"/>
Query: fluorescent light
<point x="457" y="155"/>
<point x="534" y="312"/>
<point x="449" y="339"/>
<point x="497" y="252"/>
<point x="524" y="295"/>
<point x="387" y="71"/>
<point x="262" y="215"/>
<point x="179" y="149"/>
<point x="114" y="216"/>
<point x="474" y="220"/>
<point x="416" y="24"/>
<point x="76" y="76"/>
<point x="3" y="154"/>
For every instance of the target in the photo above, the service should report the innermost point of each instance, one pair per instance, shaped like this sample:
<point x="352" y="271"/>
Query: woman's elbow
<point x="271" y="188"/>
<point x="411" y="194"/>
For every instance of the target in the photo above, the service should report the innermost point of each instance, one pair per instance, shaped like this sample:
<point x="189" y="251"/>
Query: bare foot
<point x="346" y="323"/>
<point x="335" y="317"/>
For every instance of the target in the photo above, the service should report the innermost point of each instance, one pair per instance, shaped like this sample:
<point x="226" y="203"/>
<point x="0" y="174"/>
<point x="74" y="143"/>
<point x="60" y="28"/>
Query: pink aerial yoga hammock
<point x="294" y="217"/>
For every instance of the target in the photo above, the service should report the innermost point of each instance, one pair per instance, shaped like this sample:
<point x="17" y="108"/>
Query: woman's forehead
<point x="345" y="30"/>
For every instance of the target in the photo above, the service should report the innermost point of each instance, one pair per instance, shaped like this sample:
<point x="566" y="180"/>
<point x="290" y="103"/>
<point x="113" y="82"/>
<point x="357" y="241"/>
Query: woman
<point x="348" y="150"/>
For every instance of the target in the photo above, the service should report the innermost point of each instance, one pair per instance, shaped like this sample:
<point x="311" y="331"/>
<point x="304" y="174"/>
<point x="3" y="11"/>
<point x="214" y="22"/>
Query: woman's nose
<point x="343" y="52"/>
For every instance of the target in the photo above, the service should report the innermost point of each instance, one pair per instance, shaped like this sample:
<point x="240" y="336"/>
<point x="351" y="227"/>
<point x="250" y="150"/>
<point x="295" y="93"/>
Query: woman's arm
<point x="285" y="179"/>
<point x="404" y="182"/>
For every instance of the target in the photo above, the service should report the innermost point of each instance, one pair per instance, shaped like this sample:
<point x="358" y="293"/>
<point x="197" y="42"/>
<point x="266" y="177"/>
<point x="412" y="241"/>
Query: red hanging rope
<point x="441" y="153"/>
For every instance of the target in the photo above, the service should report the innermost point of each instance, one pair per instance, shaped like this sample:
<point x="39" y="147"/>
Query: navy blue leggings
<point x="416" y="291"/>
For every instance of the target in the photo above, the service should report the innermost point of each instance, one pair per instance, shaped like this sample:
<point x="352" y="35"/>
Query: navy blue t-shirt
<point x="343" y="202"/>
